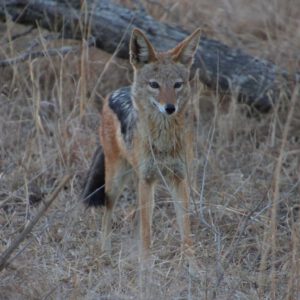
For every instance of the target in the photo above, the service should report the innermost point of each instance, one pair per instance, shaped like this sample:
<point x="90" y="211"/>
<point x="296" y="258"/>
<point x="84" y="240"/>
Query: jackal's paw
<point x="106" y="253"/>
<point x="193" y="268"/>
<point x="106" y="247"/>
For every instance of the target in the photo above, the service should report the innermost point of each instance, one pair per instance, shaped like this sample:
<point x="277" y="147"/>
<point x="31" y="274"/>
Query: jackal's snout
<point x="167" y="100"/>
<point x="170" y="108"/>
<point x="166" y="108"/>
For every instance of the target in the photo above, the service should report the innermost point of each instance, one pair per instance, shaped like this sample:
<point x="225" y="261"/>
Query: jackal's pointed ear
<point x="185" y="51"/>
<point x="141" y="50"/>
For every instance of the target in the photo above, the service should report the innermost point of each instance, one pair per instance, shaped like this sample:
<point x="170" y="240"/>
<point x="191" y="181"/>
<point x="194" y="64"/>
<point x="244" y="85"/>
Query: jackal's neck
<point x="162" y="132"/>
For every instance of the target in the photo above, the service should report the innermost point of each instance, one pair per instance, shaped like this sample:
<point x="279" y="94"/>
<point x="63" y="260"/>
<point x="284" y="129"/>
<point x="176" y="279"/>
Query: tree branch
<point x="29" y="55"/>
<point x="34" y="54"/>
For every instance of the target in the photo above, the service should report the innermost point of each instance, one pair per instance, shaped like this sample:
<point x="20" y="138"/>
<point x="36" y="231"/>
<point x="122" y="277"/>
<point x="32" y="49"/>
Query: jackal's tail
<point x="93" y="191"/>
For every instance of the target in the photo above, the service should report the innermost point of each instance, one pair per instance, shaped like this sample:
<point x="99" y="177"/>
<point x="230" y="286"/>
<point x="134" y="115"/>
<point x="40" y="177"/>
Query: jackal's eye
<point x="178" y="84"/>
<point x="154" y="84"/>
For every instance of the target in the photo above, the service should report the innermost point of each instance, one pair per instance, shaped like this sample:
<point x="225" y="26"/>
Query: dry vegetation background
<point x="245" y="209"/>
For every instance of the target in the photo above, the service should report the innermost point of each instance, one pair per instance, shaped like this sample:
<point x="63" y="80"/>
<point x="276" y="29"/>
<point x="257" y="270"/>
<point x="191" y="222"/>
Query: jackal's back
<point x="120" y="102"/>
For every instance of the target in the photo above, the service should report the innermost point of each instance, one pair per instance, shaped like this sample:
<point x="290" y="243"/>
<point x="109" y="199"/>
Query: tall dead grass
<point x="245" y="208"/>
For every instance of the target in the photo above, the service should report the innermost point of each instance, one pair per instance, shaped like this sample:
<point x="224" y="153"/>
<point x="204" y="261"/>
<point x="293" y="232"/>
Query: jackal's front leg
<point x="146" y="203"/>
<point x="181" y="201"/>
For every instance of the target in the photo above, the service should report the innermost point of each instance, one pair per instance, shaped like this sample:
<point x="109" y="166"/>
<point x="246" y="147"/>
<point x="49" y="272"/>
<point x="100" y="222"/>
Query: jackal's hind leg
<point x="181" y="203"/>
<point x="116" y="176"/>
<point x="146" y="205"/>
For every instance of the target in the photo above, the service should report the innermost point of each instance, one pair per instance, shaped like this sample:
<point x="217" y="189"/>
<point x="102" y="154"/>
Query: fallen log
<point x="252" y="80"/>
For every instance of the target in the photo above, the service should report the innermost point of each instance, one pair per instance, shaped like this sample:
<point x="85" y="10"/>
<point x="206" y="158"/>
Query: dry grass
<point x="245" y="209"/>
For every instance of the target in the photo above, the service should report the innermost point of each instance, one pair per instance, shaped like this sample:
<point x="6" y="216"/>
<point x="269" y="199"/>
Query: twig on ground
<point x="276" y="190"/>
<point x="270" y="235"/>
<point x="20" y="238"/>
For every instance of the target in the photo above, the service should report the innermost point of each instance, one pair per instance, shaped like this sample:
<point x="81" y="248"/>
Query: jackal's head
<point x="161" y="79"/>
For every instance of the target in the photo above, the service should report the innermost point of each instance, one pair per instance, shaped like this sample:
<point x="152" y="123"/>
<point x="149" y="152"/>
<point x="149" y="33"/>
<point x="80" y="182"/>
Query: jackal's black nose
<point x="170" y="108"/>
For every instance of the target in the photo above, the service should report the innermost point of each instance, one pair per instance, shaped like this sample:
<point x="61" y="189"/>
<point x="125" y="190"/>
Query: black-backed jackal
<point x="144" y="130"/>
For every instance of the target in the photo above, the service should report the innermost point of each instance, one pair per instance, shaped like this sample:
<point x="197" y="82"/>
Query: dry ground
<point x="245" y="208"/>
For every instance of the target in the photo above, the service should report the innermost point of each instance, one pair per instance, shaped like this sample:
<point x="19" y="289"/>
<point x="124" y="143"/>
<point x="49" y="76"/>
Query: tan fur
<point x="161" y="147"/>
